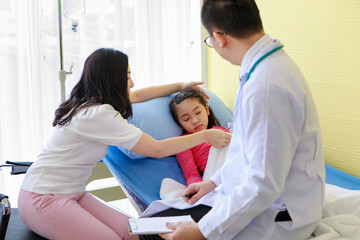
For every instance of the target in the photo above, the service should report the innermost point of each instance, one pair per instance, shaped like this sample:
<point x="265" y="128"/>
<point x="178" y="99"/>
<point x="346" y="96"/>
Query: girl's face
<point x="130" y="81"/>
<point x="192" y="115"/>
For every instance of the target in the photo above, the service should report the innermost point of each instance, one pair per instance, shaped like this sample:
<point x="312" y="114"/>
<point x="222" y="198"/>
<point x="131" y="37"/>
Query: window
<point x="162" y="39"/>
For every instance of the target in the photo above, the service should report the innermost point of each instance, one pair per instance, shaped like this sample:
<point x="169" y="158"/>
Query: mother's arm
<point x="144" y="94"/>
<point x="151" y="147"/>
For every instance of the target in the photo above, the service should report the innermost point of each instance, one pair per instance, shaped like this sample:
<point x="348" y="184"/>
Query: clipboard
<point x="155" y="225"/>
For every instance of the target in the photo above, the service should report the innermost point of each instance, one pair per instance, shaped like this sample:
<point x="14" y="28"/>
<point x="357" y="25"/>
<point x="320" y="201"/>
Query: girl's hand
<point x="196" y="87"/>
<point x="198" y="190"/>
<point x="218" y="138"/>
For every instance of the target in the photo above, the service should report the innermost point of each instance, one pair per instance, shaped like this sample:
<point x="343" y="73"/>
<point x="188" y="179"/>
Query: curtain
<point x="161" y="38"/>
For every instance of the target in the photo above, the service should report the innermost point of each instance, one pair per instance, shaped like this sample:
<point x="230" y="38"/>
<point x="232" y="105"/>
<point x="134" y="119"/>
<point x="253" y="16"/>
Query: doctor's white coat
<point x="275" y="159"/>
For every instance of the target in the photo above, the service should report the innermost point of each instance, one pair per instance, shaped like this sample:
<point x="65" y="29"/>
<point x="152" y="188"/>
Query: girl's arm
<point x="151" y="147"/>
<point x="188" y="165"/>
<point x="148" y="93"/>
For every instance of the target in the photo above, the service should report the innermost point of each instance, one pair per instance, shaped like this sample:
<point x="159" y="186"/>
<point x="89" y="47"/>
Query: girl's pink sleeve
<point x="188" y="166"/>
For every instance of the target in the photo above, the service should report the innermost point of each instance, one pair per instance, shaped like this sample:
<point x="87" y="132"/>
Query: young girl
<point x="192" y="113"/>
<point x="52" y="200"/>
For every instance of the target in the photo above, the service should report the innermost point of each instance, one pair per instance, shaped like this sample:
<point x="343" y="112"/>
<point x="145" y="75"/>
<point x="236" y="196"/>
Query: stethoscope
<point x="260" y="59"/>
<point x="254" y="66"/>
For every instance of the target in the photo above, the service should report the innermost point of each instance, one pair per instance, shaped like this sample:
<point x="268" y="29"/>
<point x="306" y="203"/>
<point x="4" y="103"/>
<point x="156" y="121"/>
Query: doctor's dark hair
<point x="186" y="94"/>
<point x="103" y="81"/>
<point x="238" y="18"/>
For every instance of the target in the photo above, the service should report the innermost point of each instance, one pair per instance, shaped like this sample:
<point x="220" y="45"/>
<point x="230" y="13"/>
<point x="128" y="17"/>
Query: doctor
<point x="272" y="184"/>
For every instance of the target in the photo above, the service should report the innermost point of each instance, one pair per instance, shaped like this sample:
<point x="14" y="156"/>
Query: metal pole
<point x="62" y="72"/>
<point x="60" y="34"/>
<point x="204" y="49"/>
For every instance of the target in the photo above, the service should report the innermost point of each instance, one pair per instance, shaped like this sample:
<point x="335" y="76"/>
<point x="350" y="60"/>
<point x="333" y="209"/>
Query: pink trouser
<point x="72" y="216"/>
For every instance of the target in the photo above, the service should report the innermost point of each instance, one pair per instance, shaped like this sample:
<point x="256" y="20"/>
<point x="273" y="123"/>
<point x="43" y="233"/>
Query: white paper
<point x="154" y="225"/>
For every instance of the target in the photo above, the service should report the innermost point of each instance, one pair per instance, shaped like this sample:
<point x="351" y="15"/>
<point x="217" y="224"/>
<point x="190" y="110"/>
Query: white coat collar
<point x="262" y="46"/>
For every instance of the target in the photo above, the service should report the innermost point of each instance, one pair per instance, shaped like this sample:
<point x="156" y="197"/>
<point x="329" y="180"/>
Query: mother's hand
<point x="218" y="138"/>
<point x="195" y="85"/>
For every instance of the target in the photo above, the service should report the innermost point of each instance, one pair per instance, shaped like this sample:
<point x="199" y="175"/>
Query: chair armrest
<point x="4" y="200"/>
<point x="6" y="211"/>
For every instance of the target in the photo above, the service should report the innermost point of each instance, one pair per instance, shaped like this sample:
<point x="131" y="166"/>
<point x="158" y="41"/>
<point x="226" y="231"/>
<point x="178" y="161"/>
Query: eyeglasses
<point x="208" y="39"/>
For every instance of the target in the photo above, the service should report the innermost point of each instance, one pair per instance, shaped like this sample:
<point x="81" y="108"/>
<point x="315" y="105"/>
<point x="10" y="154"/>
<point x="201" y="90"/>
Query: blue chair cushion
<point x="154" y="118"/>
<point x="142" y="178"/>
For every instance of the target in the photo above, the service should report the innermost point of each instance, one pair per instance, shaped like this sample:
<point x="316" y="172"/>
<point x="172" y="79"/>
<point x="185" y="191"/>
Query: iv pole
<point x="62" y="72"/>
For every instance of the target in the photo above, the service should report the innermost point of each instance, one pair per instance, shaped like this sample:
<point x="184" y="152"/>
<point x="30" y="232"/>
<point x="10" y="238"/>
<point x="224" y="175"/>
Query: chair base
<point x="18" y="230"/>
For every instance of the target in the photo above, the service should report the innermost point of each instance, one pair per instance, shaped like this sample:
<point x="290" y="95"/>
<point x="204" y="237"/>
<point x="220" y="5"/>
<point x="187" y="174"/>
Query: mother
<point x="53" y="201"/>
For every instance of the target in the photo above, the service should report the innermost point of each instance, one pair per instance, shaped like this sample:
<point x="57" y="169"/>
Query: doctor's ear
<point x="220" y="38"/>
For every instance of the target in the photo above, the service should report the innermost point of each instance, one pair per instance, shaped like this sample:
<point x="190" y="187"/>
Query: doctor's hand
<point x="218" y="138"/>
<point x="195" y="191"/>
<point x="183" y="230"/>
<point x="195" y="86"/>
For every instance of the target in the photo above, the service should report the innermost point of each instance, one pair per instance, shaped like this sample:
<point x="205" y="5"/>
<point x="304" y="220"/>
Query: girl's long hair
<point x="103" y="81"/>
<point x="186" y="94"/>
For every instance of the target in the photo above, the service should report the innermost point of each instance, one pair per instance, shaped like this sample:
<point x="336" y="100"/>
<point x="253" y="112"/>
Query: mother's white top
<point x="67" y="160"/>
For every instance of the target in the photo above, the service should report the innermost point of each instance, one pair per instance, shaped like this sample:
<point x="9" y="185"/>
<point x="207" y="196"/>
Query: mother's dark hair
<point x="103" y="81"/>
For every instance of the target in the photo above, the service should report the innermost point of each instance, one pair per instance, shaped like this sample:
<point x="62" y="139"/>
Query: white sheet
<point x="341" y="216"/>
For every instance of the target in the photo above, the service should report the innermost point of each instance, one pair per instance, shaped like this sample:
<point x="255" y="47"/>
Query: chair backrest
<point x="140" y="176"/>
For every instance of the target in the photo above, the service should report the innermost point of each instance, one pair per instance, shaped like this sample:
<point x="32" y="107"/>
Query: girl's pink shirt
<point x="193" y="161"/>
